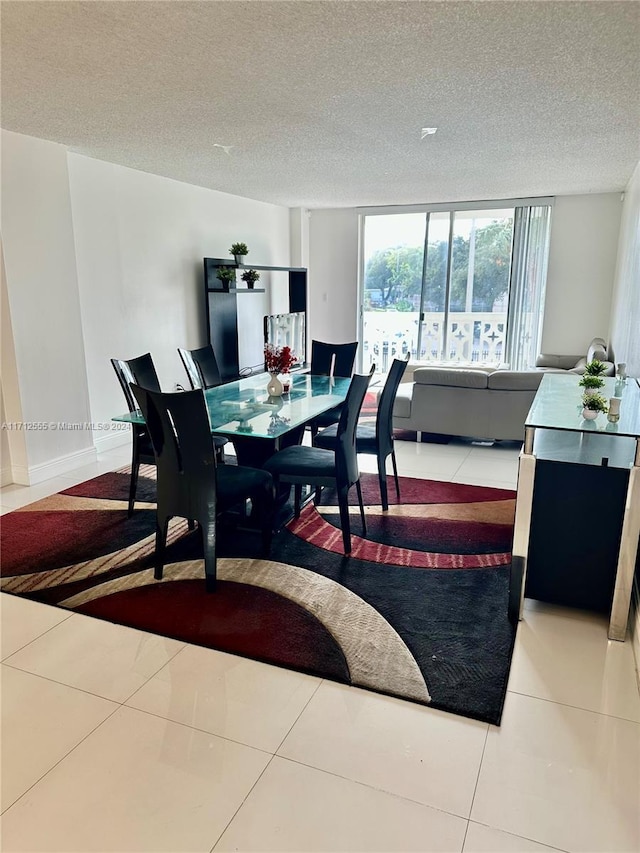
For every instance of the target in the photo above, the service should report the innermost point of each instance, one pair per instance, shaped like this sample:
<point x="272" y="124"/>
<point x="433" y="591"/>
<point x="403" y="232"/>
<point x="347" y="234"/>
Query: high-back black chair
<point x="376" y="439"/>
<point x="314" y="466"/>
<point x="201" y="366"/>
<point x="323" y="355"/>
<point x="142" y="371"/>
<point x="190" y="484"/>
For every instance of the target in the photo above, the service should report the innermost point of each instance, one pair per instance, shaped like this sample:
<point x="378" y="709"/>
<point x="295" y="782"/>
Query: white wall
<point x="140" y="240"/>
<point x="584" y="236"/>
<point x="42" y="292"/>
<point x="103" y="261"/>
<point x="333" y="275"/>
<point x="582" y="262"/>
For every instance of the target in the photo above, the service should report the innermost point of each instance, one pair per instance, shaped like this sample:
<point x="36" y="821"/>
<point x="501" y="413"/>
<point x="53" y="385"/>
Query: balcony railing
<point x="473" y="338"/>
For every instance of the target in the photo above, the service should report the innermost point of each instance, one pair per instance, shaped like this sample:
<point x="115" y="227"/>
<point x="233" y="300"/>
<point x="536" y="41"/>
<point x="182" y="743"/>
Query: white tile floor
<point x="116" y="740"/>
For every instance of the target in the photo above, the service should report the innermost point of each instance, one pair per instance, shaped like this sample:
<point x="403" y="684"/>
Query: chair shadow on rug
<point x="189" y="482"/>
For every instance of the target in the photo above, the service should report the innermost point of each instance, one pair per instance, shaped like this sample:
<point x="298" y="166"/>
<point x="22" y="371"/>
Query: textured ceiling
<point x="322" y="102"/>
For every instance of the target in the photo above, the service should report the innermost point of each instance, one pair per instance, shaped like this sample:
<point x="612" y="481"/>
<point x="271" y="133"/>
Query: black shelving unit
<point x="222" y="309"/>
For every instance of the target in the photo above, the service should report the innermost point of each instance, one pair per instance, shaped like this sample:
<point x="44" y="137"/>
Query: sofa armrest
<point x="559" y="362"/>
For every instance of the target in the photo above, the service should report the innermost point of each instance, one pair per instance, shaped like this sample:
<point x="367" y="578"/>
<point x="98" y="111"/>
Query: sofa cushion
<point x="512" y="380"/>
<point x="451" y="377"/>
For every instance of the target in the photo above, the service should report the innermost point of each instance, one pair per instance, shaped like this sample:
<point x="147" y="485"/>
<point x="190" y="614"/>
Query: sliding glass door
<point x="452" y="285"/>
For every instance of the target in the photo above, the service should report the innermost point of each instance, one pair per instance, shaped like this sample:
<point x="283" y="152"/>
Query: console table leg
<point x="626" y="559"/>
<point x="521" y="530"/>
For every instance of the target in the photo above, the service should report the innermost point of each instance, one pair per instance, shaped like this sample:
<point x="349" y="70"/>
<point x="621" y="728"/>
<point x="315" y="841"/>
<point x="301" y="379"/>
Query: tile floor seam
<point x="33" y="639"/>
<point x="523" y="837"/>
<point x="233" y="816"/>
<point x="302" y="710"/>
<point x="370" y="787"/>
<point x="60" y="683"/>
<point x="160" y="668"/>
<point x="197" y="729"/>
<point x="575" y="707"/>
<point x="67" y="754"/>
<point x="475" y="787"/>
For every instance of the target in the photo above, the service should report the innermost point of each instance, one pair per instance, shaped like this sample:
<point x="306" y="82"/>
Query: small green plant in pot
<point x="595" y="368"/>
<point x="227" y="276"/>
<point x="239" y="250"/>
<point x="591" y="382"/>
<point x="250" y="276"/>
<point x="593" y="404"/>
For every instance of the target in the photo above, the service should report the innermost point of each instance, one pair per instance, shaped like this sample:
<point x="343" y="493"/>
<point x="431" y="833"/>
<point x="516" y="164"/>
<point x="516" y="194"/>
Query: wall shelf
<point x="222" y="310"/>
<point x="236" y="289"/>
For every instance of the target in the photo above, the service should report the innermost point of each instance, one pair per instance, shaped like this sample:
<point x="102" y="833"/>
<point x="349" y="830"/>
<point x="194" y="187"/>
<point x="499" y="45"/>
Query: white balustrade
<point x="473" y="338"/>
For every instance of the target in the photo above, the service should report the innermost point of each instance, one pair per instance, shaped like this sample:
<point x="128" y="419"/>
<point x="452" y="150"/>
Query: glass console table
<point x="577" y="520"/>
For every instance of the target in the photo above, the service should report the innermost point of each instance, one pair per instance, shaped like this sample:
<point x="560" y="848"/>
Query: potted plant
<point x="594" y="368"/>
<point x="239" y="250"/>
<point x="227" y="276"/>
<point x="591" y="382"/>
<point x="592" y="405"/>
<point x="250" y="276"/>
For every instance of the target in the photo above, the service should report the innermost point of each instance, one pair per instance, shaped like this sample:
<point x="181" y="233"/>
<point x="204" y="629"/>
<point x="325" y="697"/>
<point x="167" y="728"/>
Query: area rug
<point x="419" y="611"/>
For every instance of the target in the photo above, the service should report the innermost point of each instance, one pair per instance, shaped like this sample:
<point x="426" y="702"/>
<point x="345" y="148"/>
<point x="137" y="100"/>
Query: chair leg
<point x="361" y="502"/>
<point x="162" y="525"/>
<point x="297" y="499"/>
<point x="382" y="479"/>
<point x="209" y="547"/>
<point x="133" y="483"/>
<point x="317" y="495"/>
<point x="267" y="504"/>
<point x="395" y="473"/>
<point x="343" y="504"/>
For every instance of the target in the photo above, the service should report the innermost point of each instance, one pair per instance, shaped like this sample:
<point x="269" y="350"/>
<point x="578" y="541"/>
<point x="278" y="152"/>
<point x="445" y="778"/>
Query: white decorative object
<point x="621" y="370"/>
<point x="589" y="414"/>
<point x="274" y="388"/>
<point x="614" y="410"/>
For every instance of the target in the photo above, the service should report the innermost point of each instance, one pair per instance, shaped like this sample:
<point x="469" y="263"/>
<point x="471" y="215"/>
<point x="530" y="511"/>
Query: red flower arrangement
<point x="278" y="359"/>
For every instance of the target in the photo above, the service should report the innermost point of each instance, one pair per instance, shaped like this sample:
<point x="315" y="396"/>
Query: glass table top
<point x="244" y="408"/>
<point x="558" y="405"/>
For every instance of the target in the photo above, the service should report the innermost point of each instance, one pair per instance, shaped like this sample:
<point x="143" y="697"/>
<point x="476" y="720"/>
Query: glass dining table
<point x="258" y="425"/>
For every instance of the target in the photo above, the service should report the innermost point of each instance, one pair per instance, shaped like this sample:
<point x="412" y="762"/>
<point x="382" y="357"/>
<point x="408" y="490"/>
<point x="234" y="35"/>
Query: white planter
<point x="589" y="414"/>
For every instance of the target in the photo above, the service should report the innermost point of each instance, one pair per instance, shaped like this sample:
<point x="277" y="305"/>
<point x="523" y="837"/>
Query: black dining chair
<point x="142" y="371"/>
<point x="139" y="370"/>
<point x="302" y="465"/>
<point x="376" y="439"/>
<point x="190" y="483"/>
<point x="324" y="357"/>
<point x="201" y="366"/>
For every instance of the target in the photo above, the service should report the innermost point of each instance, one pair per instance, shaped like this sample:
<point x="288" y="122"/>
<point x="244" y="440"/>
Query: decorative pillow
<point x="596" y="350"/>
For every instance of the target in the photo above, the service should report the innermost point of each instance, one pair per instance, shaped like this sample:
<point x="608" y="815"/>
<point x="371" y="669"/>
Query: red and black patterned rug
<point x="418" y="611"/>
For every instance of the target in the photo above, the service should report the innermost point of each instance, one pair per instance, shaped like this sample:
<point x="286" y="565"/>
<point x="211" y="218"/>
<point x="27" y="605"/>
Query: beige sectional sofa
<point x="480" y="403"/>
<point x="486" y="404"/>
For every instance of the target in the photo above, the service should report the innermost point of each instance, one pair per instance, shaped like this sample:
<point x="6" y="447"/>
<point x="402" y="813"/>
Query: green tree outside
<point x="394" y="275"/>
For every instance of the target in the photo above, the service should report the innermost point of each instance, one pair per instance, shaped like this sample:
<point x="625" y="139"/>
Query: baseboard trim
<point x="35" y="474"/>
<point x="111" y="441"/>
<point x="6" y="477"/>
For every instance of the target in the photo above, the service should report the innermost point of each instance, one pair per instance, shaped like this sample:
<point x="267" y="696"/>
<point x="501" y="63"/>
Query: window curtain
<point x="625" y="328"/>
<point x="528" y="278"/>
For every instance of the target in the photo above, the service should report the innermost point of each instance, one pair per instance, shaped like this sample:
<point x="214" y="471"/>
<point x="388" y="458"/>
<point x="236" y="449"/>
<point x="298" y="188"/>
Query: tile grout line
<point x="574" y="707"/>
